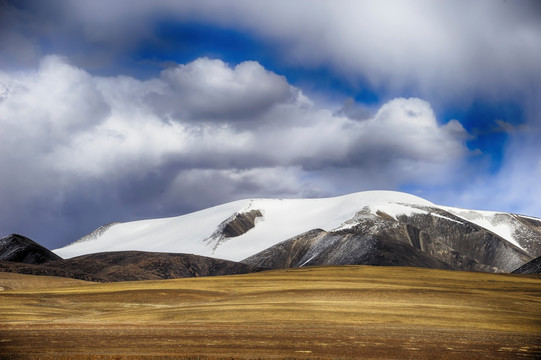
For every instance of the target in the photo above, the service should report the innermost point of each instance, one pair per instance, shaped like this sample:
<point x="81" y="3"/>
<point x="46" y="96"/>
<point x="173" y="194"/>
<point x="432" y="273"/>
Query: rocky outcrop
<point x="236" y="225"/>
<point x="18" y="248"/>
<point x="240" y="223"/>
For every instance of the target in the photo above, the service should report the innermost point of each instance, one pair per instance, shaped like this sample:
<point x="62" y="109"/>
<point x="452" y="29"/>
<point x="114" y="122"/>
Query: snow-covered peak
<point x="281" y="219"/>
<point x="239" y="229"/>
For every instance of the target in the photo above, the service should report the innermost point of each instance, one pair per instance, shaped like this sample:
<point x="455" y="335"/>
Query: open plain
<point x="337" y="312"/>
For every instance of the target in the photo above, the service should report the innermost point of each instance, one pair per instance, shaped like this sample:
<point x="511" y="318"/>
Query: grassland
<point x="318" y="313"/>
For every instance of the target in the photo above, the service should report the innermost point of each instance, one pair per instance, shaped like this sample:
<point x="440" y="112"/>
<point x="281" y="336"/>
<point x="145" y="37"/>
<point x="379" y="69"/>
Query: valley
<point x="328" y="312"/>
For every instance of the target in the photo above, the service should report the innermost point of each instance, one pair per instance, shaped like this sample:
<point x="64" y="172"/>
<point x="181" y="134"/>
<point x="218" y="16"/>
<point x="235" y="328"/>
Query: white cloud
<point x="409" y="127"/>
<point x="208" y="89"/>
<point x="55" y="102"/>
<point x="71" y="134"/>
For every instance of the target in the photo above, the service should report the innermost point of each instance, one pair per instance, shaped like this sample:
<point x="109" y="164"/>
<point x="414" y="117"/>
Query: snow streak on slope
<point x="281" y="220"/>
<point x="496" y="222"/>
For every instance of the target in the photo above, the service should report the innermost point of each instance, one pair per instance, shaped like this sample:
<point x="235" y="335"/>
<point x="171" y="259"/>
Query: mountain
<point x="131" y="265"/>
<point x="374" y="227"/>
<point x="18" y="248"/>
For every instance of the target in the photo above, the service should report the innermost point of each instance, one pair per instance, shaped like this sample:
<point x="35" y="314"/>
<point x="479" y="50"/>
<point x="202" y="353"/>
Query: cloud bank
<point x="201" y="133"/>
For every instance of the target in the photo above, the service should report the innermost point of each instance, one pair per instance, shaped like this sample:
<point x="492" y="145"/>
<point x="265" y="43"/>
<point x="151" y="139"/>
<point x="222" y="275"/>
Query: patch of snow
<point x="446" y="218"/>
<point x="396" y="209"/>
<point x="490" y="220"/>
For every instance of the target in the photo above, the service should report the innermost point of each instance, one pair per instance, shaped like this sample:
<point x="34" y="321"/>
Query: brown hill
<point x="132" y="265"/>
<point x="140" y="265"/>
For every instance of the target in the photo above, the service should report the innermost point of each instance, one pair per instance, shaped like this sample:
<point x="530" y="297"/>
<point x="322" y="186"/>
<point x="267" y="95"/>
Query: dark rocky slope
<point x="318" y="247"/>
<point x="430" y="238"/>
<point x="18" y="248"/>
<point x="532" y="267"/>
<point x="528" y="233"/>
<point x="460" y="243"/>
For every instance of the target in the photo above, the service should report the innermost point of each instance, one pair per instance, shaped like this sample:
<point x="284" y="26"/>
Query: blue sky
<point x="116" y="111"/>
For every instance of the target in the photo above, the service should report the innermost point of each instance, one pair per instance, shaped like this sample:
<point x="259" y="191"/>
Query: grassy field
<point x="316" y="312"/>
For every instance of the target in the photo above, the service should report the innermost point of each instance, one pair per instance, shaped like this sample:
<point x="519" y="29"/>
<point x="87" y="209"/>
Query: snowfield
<point x="281" y="219"/>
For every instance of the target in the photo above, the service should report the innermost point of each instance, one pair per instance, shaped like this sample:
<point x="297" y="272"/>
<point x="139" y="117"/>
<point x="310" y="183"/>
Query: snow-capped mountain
<point x="345" y="229"/>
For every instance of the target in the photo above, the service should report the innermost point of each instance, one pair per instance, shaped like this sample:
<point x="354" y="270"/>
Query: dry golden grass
<point x="313" y="312"/>
<point x="14" y="281"/>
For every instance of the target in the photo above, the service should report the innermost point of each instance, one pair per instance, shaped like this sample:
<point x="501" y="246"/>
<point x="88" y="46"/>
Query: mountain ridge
<point x="373" y="227"/>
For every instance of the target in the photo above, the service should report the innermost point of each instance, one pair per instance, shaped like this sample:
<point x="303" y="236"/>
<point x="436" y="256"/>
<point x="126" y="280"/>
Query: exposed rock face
<point x="460" y="243"/>
<point x="532" y="267"/>
<point x="236" y="225"/>
<point x="318" y="247"/>
<point x="132" y="265"/>
<point x="241" y="223"/>
<point x="430" y="238"/>
<point x="18" y="248"/>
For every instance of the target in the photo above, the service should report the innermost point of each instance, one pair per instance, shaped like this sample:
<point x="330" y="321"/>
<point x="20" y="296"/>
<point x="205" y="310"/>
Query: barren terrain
<point x="337" y="312"/>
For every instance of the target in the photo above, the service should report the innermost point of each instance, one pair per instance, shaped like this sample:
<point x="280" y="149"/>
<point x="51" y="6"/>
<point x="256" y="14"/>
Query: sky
<point x="130" y="109"/>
